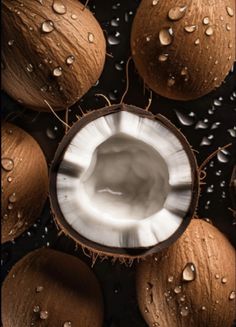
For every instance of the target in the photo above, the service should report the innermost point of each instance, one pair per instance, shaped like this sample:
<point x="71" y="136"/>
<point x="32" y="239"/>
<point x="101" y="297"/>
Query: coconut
<point x="49" y="288"/>
<point x="192" y="283"/>
<point x="24" y="181"/>
<point x="123" y="182"/>
<point x="183" y="49"/>
<point x="52" y="51"/>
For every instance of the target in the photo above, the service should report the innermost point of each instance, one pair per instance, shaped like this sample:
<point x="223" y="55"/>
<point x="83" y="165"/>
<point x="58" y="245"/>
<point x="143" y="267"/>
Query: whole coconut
<point x="51" y="50"/>
<point x="192" y="283"/>
<point x="53" y="289"/>
<point x="24" y="181"/>
<point x="184" y="49"/>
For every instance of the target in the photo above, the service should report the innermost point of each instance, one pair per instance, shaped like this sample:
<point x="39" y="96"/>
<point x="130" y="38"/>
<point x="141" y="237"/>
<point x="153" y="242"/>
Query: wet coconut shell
<point x="183" y="49"/>
<point x="48" y="54"/>
<point x="206" y="301"/>
<point x="49" y="288"/>
<point x="24" y="181"/>
<point x="123" y="254"/>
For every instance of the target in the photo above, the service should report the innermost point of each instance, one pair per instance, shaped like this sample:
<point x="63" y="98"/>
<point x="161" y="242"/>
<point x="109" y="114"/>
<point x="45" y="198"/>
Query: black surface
<point x="218" y="107"/>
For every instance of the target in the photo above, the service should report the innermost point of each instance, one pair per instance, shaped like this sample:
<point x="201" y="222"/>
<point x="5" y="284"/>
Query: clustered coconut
<point x="24" y="181"/>
<point x="49" y="288"/>
<point x="192" y="283"/>
<point x="123" y="182"/>
<point x="183" y="49"/>
<point x="52" y="52"/>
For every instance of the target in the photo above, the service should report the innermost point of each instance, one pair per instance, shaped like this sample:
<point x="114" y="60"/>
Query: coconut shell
<point x="24" y="181"/>
<point x="49" y="288"/>
<point x="169" y="294"/>
<point x="184" y="50"/>
<point x="122" y="254"/>
<point x="51" y="50"/>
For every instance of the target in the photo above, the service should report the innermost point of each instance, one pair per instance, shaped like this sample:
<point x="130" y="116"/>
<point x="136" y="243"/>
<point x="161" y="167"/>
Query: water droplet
<point x="197" y="42"/>
<point x="232" y="295"/>
<point x="190" y="28"/>
<point x="171" y="81"/>
<point x="223" y="280"/>
<point x="170" y="279"/>
<point x="228" y="27"/>
<point x="36" y="308"/>
<point x="74" y="17"/>
<point x="47" y="26"/>
<point x="205" y="141"/>
<point x="163" y="57"/>
<point x="11" y="42"/>
<point x="12" y="198"/>
<point x="189" y="272"/>
<point x="67" y="324"/>
<point x="90" y="37"/>
<point x="43" y="315"/>
<point x="166" y="36"/>
<point x="223" y="156"/>
<point x="39" y="289"/>
<point x="177" y="289"/>
<point x="9" y="179"/>
<point x="230" y="11"/>
<point x="7" y="164"/>
<point x="184" y="119"/>
<point x="30" y="68"/>
<point x="146" y="310"/>
<point x="177" y="13"/>
<point x="113" y="40"/>
<point x="155" y="2"/>
<point x="210" y="189"/>
<point x="59" y="7"/>
<point x="206" y="20"/>
<point x="70" y="59"/>
<point x="232" y="132"/>
<point x="57" y="72"/>
<point x="201" y="125"/>
<point x="203" y="308"/>
<point x="115" y="22"/>
<point x="209" y="31"/>
<point x="184" y="311"/>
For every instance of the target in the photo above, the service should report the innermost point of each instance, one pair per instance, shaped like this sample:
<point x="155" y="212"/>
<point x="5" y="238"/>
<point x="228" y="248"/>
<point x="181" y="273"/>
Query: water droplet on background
<point x="184" y="119"/>
<point x="223" y="156"/>
<point x="113" y="40"/>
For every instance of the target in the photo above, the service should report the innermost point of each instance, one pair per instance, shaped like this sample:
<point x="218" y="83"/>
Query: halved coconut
<point x="124" y="182"/>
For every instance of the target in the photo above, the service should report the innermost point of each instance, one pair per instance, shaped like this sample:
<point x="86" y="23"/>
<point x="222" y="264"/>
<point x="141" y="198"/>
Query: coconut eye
<point x="124" y="180"/>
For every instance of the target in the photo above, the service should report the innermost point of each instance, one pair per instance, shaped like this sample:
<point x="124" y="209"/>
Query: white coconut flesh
<point x="125" y="181"/>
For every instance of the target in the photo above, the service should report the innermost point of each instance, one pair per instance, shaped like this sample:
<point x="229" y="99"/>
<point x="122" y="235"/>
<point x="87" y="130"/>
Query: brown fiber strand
<point x="127" y="80"/>
<point x="62" y="121"/>
<point x="104" y="97"/>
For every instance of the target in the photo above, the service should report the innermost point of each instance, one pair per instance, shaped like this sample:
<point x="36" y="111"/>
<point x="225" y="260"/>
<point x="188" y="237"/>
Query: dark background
<point x="208" y="123"/>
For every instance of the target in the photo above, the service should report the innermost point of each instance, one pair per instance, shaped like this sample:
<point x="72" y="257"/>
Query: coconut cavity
<point x="123" y="179"/>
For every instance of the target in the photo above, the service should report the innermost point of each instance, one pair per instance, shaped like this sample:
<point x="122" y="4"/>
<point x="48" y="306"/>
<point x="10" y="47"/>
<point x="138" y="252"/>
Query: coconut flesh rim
<point x="124" y="181"/>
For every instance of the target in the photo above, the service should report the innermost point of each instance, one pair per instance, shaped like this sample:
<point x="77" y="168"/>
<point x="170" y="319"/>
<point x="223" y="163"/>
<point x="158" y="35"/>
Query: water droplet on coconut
<point x="184" y="311"/>
<point x="189" y="272"/>
<point x="232" y="295"/>
<point x="59" y="7"/>
<point x="163" y="57"/>
<point x="39" y="289"/>
<point x="57" y="72"/>
<point x="230" y="11"/>
<point x="228" y="27"/>
<point x="112" y="40"/>
<point x="170" y="279"/>
<point x="7" y="164"/>
<point x="11" y="42"/>
<point x="74" y="17"/>
<point x="177" y="13"/>
<point x="70" y="59"/>
<point x="223" y="280"/>
<point x="12" y="198"/>
<point x="30" y="68"/>
<point x="177" y="289"/>
<point x="209" y="31"/>
<point x="197" y="42"/>
<point x="184" y="119"/>
<point x="201" y="125"/>
<point x="166" y="36"/>
<point x="9" y="179"/>
<point x="90" y="37"/>
<point x="47" y="26"/>
<point x="190" y="28"/>
<point x="36" y="308"/>
<point x="155" y="2"/>
<point x="206" y="20"/>
<point x="203" y="308"/>
<point x="43" y="315"/>
<point x="67" y="324"/>
<point x="217" y="276"/>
